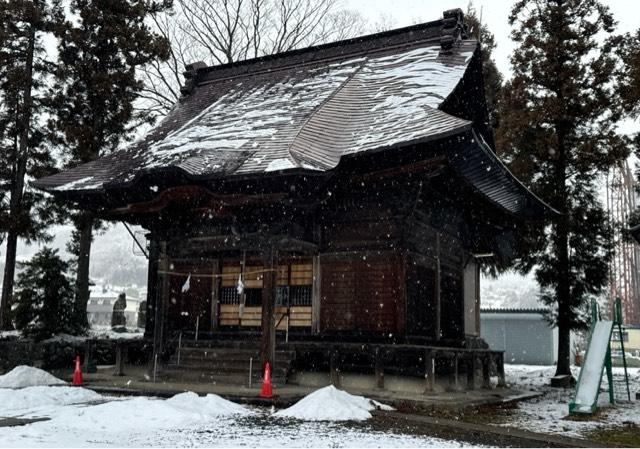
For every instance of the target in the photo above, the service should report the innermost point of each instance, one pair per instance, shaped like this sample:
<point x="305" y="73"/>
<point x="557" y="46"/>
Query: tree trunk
<point x="7" y="282"/>
<point x="563" y="268"/>
<point x="85" y="229"/>
<point x="17" y="189"/>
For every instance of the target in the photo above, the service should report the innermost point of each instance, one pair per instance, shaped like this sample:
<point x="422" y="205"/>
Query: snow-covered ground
<point x="97" y="332"/>
<point x="82" y="418"/>
<point x="549" y="412"/>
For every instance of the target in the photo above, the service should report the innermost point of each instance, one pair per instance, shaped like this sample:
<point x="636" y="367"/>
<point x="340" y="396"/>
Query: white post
<point x="197" y="326"/>
<point x="250" y="370"/>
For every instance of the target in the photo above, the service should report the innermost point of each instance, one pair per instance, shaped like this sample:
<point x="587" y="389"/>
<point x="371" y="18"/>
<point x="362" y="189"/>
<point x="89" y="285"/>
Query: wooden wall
<point x="362" y="291"/>
<point x="421" y="299"/>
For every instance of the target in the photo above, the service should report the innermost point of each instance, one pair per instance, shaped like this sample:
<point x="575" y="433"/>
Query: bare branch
<point x="225" y="31"/>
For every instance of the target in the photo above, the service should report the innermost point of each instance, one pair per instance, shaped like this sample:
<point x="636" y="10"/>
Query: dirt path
<point x="452" y="429"/>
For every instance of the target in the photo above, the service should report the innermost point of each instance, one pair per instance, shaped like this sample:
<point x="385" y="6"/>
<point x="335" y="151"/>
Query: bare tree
<point x="225" y="31"/>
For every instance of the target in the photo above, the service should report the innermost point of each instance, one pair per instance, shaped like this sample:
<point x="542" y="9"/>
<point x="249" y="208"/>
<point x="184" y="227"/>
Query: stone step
<point x="181" y="375"/>
<point x="228" y="353"/>
<point x="225" y="367"/>
<point x="239" y="364"/>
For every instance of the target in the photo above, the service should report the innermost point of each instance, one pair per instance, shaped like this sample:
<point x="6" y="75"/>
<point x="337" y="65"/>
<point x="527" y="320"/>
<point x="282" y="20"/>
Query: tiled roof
<point x="306" y="109"/>
<point x="299" y="110"/>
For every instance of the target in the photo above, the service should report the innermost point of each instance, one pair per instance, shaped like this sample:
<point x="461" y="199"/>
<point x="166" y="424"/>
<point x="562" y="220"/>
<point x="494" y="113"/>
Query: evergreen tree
<point x="628" y="75"/>
<point x="24" y="149"/>
<point x="100" y="51"/>
<point x="44" y="296"/>
<point x="557" y="134"/>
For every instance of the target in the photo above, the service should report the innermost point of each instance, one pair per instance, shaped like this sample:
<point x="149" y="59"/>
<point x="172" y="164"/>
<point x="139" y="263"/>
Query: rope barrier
<point x="222" y="275"/>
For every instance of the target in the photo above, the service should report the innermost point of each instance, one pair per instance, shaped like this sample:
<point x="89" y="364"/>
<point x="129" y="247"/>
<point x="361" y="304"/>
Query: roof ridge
<point x="336" y="58"/>
<point x="326" y="46"/>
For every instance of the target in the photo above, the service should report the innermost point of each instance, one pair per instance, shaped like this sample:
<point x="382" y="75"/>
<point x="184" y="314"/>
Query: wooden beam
<point x="499" y="360"/>
<point x="438" y="324"/>
<point x="472" y="368"/>
<point x="160" y="311"/>
<point x="215" y="294"/>
<point x="248" y="242"/>
<point x="434" y="166"/>
<point x="379" y="368"/>
<point x="486" y="371"/>
<point x="334" y="369"/>
<point x="430" y="371"/>
<point x="268" y="341"/>
<point x="197" y="197"/>
<point x="315" y="296"/>
<point x="477" y="299"/>
<point x="152" y="287"/>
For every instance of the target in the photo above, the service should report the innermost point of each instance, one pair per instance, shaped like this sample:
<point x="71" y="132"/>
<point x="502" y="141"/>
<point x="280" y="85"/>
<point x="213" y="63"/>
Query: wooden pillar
<point x="315" y="296"/>
<point x="499" y="359"/>
<point x="215" y="294"/>
<point x="471" y="371"/>
<point x="454" y="368"/>
<point x="430" y="371"/>
<point x="121" y="355"/>
<point x="379" y="368"/>
<point x="486" y="370"/>
<point x="477" y="299"/>
<point x="268" y="342"/>
<point x="160" y="310"/>
<point x="438" y="326"/>
<point x="89" y="357"/>
<point x="152" y="286"/>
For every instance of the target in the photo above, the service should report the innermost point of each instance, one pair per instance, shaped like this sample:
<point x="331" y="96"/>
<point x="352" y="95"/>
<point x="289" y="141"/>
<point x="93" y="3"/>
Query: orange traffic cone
<point x="267" y="391"/>
<point x="77" y="373"/>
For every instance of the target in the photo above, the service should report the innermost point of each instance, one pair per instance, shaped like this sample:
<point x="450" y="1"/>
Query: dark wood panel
<point x="421" y="300"/>
<point x="362" y="292"/>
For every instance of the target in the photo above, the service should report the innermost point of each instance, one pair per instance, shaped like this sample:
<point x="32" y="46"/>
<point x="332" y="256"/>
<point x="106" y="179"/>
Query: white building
<point x="100" y="306"/>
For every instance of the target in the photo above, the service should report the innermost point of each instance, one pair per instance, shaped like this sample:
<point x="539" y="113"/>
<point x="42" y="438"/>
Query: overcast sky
<point x="495" y="14"/>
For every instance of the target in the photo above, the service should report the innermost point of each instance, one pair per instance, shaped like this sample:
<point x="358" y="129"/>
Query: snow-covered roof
<point x="300" y="110"/>
<point x="303" y="111"/>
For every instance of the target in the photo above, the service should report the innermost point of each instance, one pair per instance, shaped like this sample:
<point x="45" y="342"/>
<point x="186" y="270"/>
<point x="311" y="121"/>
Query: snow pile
<point x="141" y="412"/>
<point x="209" y="405"/>
<point x="10" y="335"/>
<point x="80" y="418"/>
<point x="42" y="400"/>
<point x="130" y="334"/>
<point x="28" y="376"/>
<point x="331" y="404"/>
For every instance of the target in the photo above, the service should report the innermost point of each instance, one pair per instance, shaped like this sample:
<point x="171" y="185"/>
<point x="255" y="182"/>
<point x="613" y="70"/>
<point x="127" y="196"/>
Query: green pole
<point x="618" y="319"/>
<point x="607" y="364"/>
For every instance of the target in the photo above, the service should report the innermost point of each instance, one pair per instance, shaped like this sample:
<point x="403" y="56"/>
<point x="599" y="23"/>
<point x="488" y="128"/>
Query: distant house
<point x="100" y="307"/>
<point x="523" y="334"/>
<point x="630" y="339"/>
